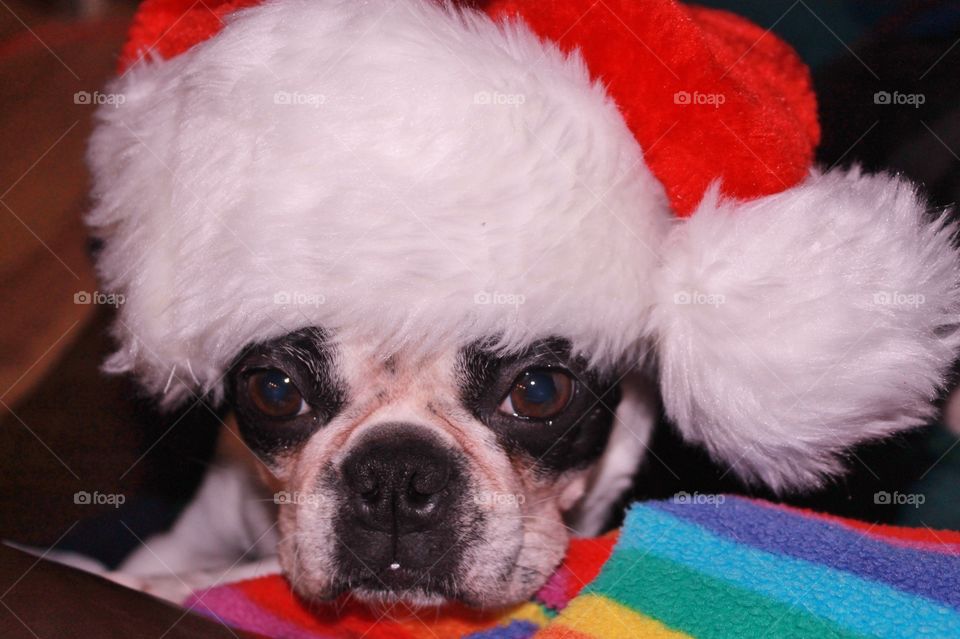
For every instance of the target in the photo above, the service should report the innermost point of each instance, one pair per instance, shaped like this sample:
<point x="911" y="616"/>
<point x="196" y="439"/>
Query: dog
<point x="458" y="476"/>
<point x="448" y="264"/>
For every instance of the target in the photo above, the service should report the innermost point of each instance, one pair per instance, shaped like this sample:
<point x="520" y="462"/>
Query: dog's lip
<point x="397" y="582"/>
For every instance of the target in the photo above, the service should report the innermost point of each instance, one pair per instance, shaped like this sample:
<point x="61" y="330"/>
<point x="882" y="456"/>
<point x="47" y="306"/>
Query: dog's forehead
<point x="361" y="364"/>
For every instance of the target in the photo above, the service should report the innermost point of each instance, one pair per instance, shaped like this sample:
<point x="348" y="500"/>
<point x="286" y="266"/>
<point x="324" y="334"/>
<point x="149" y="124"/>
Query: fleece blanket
<point x="705" y="567"/>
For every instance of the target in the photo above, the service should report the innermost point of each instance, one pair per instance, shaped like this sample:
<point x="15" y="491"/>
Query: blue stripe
<point x="862" y="606"/>
<point x="933" y="575"/>
<point x="517" y="629"/>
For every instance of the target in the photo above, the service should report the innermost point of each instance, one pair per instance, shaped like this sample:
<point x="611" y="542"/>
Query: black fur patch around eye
<point x="477" y="370"/>
<point x="307" y="358"/>
<point x="573" y="439"/>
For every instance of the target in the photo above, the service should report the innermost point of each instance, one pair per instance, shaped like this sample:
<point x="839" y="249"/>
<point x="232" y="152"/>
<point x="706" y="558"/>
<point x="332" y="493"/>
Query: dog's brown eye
<point x="539" y="393"/>
<point x="274" y="394"/>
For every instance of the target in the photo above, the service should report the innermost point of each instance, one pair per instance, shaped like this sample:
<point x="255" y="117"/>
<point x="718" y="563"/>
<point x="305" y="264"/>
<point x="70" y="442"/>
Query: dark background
<point x="856" y="49"/>
<point x="64" y="427"/>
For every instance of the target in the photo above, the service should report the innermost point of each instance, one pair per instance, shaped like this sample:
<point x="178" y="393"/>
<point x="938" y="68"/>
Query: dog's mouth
<point x="397" y="584"/>
<point x="406" y="520"/>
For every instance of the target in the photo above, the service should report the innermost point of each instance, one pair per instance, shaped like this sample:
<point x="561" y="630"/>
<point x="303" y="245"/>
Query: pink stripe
<point x="231" y="607"/>
<point x="553" y="594"/>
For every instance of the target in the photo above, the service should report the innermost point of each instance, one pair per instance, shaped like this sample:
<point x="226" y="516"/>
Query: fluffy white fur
<point x="815" y="319"/>
<point x="409" y="175"/>
<point x="387" y="203"/>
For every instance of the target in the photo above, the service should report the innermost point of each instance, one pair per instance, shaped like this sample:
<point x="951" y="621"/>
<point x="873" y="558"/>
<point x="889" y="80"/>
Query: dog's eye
<point x="539" y="393"/>
<point x="274" y="394"/>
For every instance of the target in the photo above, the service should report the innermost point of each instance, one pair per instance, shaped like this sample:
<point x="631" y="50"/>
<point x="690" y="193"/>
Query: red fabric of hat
<point x="708" y="95"/>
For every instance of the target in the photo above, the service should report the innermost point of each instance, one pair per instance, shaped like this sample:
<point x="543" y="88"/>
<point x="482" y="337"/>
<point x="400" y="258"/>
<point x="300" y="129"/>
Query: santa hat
<point x="633" y="176"/>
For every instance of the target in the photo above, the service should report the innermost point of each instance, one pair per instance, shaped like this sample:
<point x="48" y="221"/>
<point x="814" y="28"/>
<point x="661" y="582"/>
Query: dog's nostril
<point x="430" y="481"/>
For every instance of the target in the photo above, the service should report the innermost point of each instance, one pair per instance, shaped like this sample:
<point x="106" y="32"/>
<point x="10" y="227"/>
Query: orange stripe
<point x="556" y="631"/>
<point x="596" y="616"/>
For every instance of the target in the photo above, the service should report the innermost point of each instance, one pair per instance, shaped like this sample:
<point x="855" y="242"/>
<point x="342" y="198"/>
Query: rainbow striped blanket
<point x="717" y="567"/>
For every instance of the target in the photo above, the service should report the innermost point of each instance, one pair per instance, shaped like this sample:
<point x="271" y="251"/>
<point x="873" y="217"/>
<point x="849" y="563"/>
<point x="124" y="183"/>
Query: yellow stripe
<point x="600" y="617"/>
<point x="529" y="612"/>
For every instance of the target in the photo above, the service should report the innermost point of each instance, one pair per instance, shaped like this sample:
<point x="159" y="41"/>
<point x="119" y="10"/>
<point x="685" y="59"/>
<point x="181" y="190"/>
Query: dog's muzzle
<point x="403" y="493"/>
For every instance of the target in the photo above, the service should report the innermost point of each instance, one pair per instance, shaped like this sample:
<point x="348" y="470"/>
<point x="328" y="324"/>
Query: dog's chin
<point x="415" y="598"/>
<point x="420" y="598"/>
<point x="404" y="589"/>
<point x="402" y="586"/>
<point x="376" y="593"/>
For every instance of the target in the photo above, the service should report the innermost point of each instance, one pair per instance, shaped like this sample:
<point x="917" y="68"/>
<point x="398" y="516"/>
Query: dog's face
<point x="422" y="479"/>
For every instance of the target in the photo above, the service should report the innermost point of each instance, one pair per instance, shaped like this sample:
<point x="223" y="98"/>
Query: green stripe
<point x="702" y="606"/>
<point x="549" y="612"/>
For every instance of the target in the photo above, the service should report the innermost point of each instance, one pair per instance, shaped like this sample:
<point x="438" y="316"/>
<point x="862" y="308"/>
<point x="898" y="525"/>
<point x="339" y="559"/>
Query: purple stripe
<point x="931" y="575"/>
<point x="231" y="607"/>
<point x="517" y="629"/>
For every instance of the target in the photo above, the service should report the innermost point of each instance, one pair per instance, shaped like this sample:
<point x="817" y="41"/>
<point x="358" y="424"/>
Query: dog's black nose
<point x="400" y="482"/>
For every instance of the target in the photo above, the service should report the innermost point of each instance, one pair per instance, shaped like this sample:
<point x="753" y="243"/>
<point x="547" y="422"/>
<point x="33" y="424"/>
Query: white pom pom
<point x="793" y="327"/>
